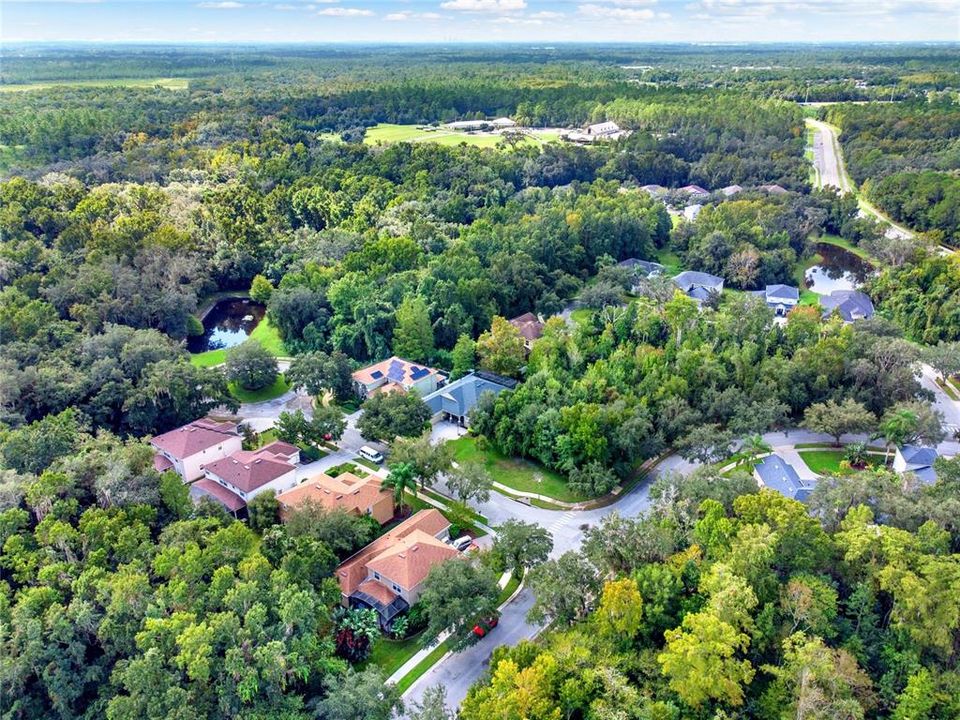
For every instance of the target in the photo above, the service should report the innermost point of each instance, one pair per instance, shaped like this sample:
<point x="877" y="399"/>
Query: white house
<point x="186" y="449"/>
<point x="235" y="480"/>
<point x="917" y="460"/>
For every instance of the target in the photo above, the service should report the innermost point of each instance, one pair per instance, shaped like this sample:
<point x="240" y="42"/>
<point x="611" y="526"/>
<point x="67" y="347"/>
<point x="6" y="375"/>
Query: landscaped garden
<point x="515" y="473"/>
<point x="827" y="462"/>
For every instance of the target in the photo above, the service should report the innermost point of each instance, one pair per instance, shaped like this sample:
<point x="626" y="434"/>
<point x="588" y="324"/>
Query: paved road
<point x="827" y="157"/>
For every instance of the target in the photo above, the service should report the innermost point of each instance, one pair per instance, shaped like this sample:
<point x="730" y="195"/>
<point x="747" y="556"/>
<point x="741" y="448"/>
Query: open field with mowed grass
<point x="522" y="475"/>
<point x="389" y="133"/>
<point x="827" y="462"/>
<point x="264" y="333"/>
<point x="141" y="83"/>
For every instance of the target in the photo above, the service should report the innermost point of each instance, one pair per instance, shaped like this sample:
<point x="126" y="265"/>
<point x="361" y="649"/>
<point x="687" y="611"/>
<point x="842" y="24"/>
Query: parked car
<point x="368" y="453"/>
<point x="485" y="626"/>
<point x="462" y="542"/>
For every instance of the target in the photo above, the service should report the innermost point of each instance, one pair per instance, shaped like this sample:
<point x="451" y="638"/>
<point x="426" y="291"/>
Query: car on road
<point x="368" y="453"/>
<point x="462" y="542"/>
<point x="482" y="628"/>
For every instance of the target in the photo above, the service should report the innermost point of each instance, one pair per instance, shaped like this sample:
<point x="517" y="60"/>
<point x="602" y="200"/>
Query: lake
<point x="838" y="270"/>
<point x="228" y="323"/>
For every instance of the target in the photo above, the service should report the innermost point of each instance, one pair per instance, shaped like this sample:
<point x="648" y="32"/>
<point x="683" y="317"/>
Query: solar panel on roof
<point x="395" y="374"/>
<point x="376" y="374"/>
<point x="418" y="373"/>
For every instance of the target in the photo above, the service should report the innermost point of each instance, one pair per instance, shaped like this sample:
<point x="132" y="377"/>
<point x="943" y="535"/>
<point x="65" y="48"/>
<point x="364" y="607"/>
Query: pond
<point x="228" y="323"/>
<point x="838" y="270"/>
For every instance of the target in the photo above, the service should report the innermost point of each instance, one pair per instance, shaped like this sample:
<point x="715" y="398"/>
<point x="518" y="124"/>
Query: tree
<point x="601" y="294"/>
<point x="944" y="357"/>
<point x="457" y="595"/>
<point x="317" y="372"/>
<point x="34" y="447"/>
<point x="522" y="544"/>
<point x="754" y="446"/>
<point x="838" y="419"/>
<point x="705" y="444"/>
<point x="699" y="660"/>
<point x="291" y="427"/>
<point x="463" y="356"/>
<point x="620" y="612"/>
<point x="564" y="589"/>
<point x="501" y="348"/>
<point x="387" y="416"/>
<point x="251" y="366"/>
<point x="432" y="707"/>
<point x="592" y="480"/>
<point x="428" y="461"/>
<point x="909" y="423"/>
<point x="357" y="630"/>
<point x="359" y="696"/>
<point x="413" y="335"/>
<point x="343" y="532"/>
<point x="327" y="423"/>
<point x="470" y="481"/>
<point x="402" y="479"/>
<point x="263" y="511"/>
<point x="261" y="289"/>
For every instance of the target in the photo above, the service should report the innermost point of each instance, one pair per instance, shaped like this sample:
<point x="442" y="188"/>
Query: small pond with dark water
<point x="228" y="323"/>
<point x="838" y="270"/>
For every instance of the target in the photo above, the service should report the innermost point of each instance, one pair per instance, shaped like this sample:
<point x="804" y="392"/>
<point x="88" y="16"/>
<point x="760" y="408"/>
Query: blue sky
<point x="478" y="20"/>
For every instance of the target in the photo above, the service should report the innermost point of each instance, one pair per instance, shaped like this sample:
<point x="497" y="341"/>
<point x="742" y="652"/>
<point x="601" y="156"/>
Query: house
<point x="780" y="298"/>
<point x="773" y="189"/>
<point x="690" y="212"/>
<point x="917" y="460"/>
<point x="502" y="123"/>
<point x="395" y="374"/>
<point x="468" y="125"/>
<point x="235" y="480"/>
<point x="454" y="401"/>
<point x="641" y="269"/>
<point x="699" y="285"/>
<point x="731" y="190"/>
<point x="654" y="190"/>
<point x="187" y="448"/>
<point x="530" y="327"/>
<point x="604" y="129"/>
<point x="387" y="574"/>
<point x="850" y="304"/>
<point x="694" y="190"/>
<point x="348" y="492"/>
<point x="777" y="474"/>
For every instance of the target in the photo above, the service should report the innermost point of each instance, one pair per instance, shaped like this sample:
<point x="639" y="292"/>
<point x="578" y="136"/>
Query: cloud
<point x="405" y="15"/>
<point x="225" y="5"/>
<point x="345" y="12"/>
<point x="613" y="12"/>
<point x="547" y="15"/>
<point x="479" y="6"/>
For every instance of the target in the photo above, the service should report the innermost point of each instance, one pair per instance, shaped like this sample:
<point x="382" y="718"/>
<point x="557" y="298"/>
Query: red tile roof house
<point x="388" y="573"/>
<point x="235" y="480"/>
<point x="530" y="327"/>
<point x="186" y="449"/>
<point x="396" y="375"/>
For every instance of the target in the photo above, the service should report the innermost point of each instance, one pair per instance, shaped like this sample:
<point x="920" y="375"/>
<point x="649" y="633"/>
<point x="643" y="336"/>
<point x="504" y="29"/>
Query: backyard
<point x="827" y="462"/>
<point x="515" y="473"/>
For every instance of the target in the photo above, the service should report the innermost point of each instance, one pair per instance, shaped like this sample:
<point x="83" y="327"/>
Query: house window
<point x="397" y="588"/>
<point x="243" y="494"/>
<point x="376" y="576"/>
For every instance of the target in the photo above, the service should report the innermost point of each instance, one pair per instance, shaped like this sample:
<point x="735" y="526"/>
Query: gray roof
<point x="690" y="278"/>
<point x="645" y="266"/>
<point x="777" y="474"/>
<point x="731" y="190"/>
<point x="919" y="456"/>
<point x="782" y="292"/>
<point x="851" y="304"/>
<point x="926" y="475"/>
<point x="459" y="397"/>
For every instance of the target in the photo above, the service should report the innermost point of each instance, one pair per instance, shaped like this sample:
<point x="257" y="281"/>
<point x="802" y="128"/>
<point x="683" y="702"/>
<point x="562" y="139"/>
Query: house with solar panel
<point x="454" y="401"/>
<point x="396" y="375"/>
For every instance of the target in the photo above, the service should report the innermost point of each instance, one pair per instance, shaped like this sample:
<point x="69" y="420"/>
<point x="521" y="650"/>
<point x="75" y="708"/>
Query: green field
<point x="826" y="462"/>
<point x="278" y="388"/>
<point x="166" y="83"/>
<point x="515" y="473"/>
<point x="387" y="133"/>
<point x="264" y="333"/>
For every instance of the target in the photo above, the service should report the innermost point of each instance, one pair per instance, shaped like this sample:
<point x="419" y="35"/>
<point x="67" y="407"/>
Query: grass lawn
<point x="278" y="388"/>
<point x="367" y="463"/>
<point x="390" y="655"/>
<point x="582" y="316"/>
<point x="268" y="436"/>
<point x="510" y="588"/>
<point x="518" y="474"/>
<point x="825" y="462"/>
<point x="166" y="83"/>
<point x="210" y="358"/>
<point x="948" y="388"/>
<point x="264" y="333"/>
<point x="670" y="261"/>
<point x="428" y="662"/>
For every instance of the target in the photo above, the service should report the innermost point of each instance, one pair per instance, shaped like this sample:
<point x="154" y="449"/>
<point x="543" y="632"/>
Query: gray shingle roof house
<point x="917" y="460"/>
<point x="780" y="298"/>
<point x="455" y="400"/>
<point x="777" y="474"/>
<point x="851" y="304"/>
<point x="644" y="268"/>
<point x="699" y="285"/>
<point x="654" y="189"/>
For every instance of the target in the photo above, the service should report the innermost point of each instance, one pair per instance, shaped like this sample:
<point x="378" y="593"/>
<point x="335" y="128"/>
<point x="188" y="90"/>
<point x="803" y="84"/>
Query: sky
<point x="444" y="21"/>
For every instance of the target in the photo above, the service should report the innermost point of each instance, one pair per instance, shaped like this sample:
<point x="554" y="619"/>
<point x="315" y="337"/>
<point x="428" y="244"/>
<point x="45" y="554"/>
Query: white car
<point x="462" y="542"/>
<point x="368" y="453"/>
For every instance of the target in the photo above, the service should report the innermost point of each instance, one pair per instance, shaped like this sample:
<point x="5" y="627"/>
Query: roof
<point x="690" y="212"/>
<point x="731" y="190"/>
<point x="394" y="369"/>
<point x="459" y="397"/>
<point x="851" y="304"/>
<point x="918" y="456"/>
<point x="503" y="122"/>
<point x="782" y="292"/>
<point x="279" y="447"/>
<point x="603" y="128"/>
<point x="690" y="278"/>
<point x="353" y="571"/>
<point x="161" y="463"/>
<point x="249" y="470"/>
<point x="774" y="188"/>
<point x="694" y="190"/>
<point x="346" y="492"/>
<point x="215" y="491"/>
<point x="654" y="189"/>
<point x="408" y="561"/>
<point x="777" y="474"/>
<point x="194" y="437"/>
<point x="646" y="266"/>
<point x="529" y="325"/>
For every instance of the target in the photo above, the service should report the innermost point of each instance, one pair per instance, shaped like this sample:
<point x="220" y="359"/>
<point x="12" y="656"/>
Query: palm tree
<point x="402" y="478"/>
<point x="896" y="427"/>
<point x="754" y="446"/>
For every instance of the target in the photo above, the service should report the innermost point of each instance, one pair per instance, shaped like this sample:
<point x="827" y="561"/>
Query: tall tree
<point x="501" y="348"/>
<point x="387" y="416"/>
<point x="838" y="418"/>
<point x="413" y="335"/>
<point x="251" y="366"/>
<point x="522" y="544"/>
<point x="457" y="595"/>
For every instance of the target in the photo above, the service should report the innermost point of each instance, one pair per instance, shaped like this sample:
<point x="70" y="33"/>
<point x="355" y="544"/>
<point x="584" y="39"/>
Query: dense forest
<point x="125" y="210"/>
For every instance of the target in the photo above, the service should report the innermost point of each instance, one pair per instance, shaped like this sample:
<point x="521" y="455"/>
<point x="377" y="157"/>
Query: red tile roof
<point x="393" y="370"/>
<point x="249" y="470"/>
<point x="529" y="326"/>
<point x="278" y="447"/>
<point x="346" y="491"/>
<point x="194" y="437"/>
<point x="217" y="492"/>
